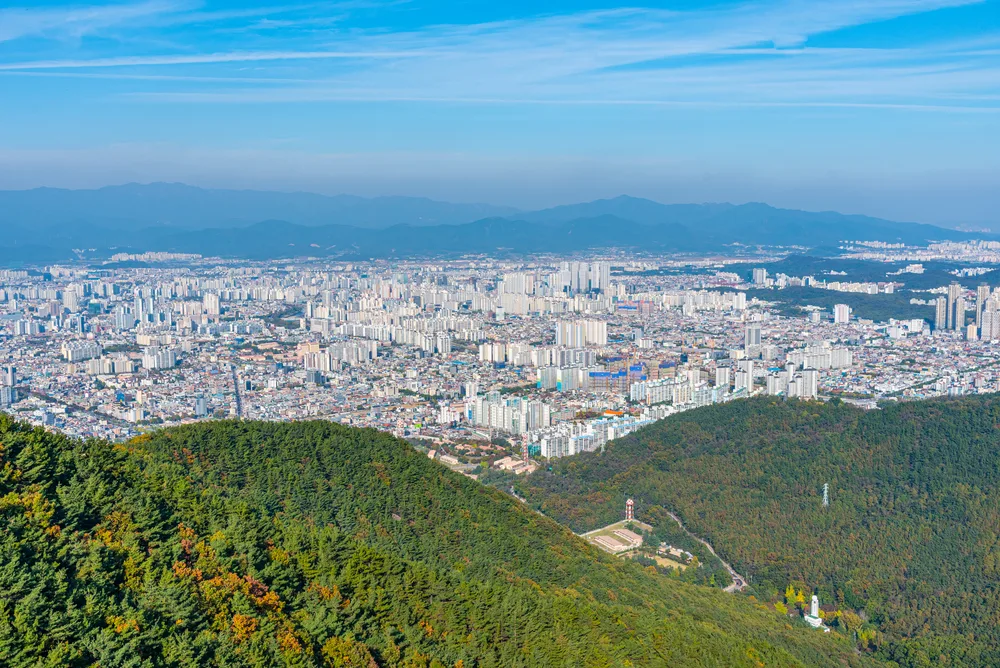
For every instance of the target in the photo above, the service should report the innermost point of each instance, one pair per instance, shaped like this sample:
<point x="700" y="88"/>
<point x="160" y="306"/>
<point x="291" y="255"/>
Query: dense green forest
<point x="935" y="274"/>
<point x="879" y="308"/>
<point x="313" y="544"/>
<point x="910" y="540"/>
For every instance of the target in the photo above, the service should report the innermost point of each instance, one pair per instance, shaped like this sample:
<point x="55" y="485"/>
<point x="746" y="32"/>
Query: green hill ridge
<point x="313" y="544"/>
<point x="908" y="549"/>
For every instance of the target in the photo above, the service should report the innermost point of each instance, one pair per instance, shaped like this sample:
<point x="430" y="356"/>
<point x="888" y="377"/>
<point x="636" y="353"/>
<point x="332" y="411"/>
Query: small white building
<point x="813" y="619"/>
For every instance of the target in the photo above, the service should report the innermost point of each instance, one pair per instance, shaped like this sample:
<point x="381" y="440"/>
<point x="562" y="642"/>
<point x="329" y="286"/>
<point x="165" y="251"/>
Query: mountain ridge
<point x="182" y="206"/>
<point x="908" y="541"/>
<point x="409" y="227"/>
<point x="313" y="544"/>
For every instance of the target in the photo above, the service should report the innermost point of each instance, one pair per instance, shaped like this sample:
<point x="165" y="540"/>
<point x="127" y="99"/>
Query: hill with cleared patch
<point x="908" y="550"/>
<point x="313" y="544"/>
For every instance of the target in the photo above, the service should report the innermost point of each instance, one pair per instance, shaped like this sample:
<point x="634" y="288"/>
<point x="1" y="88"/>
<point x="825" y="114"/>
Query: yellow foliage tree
<point x="347" y="653"/>
<point x="243" y="627"/>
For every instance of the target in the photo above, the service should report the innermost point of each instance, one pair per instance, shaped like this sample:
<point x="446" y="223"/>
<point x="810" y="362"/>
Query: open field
<point x="662" y="561"/>
<point x="617" y="538"/>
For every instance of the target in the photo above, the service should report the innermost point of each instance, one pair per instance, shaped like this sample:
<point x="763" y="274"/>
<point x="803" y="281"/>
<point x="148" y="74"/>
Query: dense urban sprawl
<point x="479" y="360"/>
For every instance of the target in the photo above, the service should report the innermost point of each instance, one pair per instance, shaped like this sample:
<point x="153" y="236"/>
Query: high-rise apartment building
<point x="581" y="334"/>
<point x="941" y="313"/>
<point x="211" y="304"/>
<point x="809" y="386"/>
<point x="158" y="358"/>
<point x="959" y="315"/>
<point x="982" y="295"/>
<point x="954" y="292"/>
<point x="990" y="325"/>
<point x="77" y="351"/>
<point x="587" y="276"/>
<point x="841" y="314"/>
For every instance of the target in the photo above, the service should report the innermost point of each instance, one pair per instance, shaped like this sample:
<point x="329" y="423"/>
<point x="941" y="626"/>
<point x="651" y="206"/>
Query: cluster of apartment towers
<point x="951" y="313"/>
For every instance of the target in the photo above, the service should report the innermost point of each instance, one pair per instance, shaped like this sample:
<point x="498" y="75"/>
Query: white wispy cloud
<point x="200" y="59"/>
<point x="60" y="22"/>
<point x="753" y="54"/>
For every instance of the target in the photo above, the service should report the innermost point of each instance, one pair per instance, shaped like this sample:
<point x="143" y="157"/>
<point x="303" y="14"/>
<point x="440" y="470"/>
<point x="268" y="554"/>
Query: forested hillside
<point x="314" y="544"/>
<point x="911" y="538"/>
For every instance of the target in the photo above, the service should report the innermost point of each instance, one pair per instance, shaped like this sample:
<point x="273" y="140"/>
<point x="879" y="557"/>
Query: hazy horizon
<point x="885" y="107"/>
<point x="524" y="208"/>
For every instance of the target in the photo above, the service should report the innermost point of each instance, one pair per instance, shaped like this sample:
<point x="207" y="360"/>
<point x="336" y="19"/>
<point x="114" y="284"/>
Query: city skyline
<point x="886" y="108"/>
<point x="453" y="333"/>
<point x="560" y="355"/>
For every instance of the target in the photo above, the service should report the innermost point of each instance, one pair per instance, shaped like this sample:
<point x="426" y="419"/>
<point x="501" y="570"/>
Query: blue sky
<point x="888" y="107"/>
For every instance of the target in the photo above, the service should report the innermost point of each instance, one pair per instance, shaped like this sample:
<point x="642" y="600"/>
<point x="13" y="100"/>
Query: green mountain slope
<point x="911" y="537"/>
<point x="315" y="544"/>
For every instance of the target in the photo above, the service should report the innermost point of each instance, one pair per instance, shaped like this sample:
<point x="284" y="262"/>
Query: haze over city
<point x="882" y="107"/>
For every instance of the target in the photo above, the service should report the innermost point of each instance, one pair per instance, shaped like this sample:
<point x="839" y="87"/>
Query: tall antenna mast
<point x="826" y="495"/>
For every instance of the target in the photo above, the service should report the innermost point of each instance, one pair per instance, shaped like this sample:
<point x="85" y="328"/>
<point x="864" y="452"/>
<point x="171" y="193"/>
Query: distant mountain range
<point x="179" y="206"/>
<point x="46" y="224"/>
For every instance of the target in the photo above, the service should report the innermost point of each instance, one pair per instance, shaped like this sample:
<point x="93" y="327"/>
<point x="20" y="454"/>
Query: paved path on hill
<point x="739" y="582"/>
